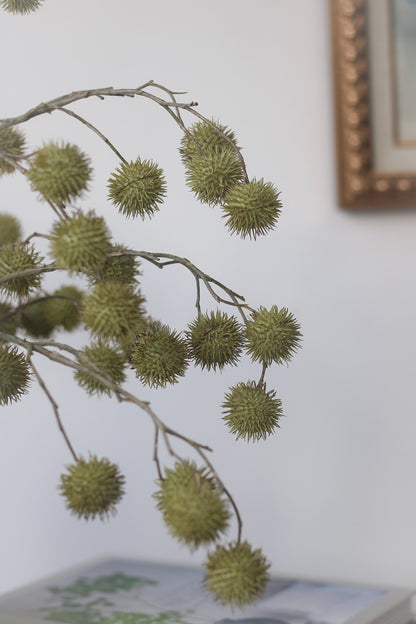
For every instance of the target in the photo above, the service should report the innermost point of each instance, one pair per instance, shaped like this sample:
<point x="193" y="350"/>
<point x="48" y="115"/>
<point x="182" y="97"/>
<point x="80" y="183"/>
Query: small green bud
<point x="8" y="321"/>
<point x="40" y="317"/>
<point x="92" y="488"/>
<point x="215" y="340"/>
<point x="109" y="360"/>
<point x="35" y="319"/>
<point x="64" y="307"/>
<point x="113" y="310"/>
<point x="14" y="374"/>
<point x="137" y="188"/>
<point x="80" y="243"/>
<point x="236" y="574"/>
<point x="10" y="229"/>
<point x="159" y="356"/>
<point x="251" y="208"/>
<point x="16" y="258"/>
<point x="272" y="335"/>
<point x="250" y="412"/>
<point x="12" y="142"/>
<point x="193" y="505"/>
<point x="60" y="173"/>
<point x="20" y="6"/>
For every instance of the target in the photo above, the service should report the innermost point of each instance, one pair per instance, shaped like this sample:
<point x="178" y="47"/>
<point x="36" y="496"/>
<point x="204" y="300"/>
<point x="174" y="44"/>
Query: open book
<point x="124" y="591"/>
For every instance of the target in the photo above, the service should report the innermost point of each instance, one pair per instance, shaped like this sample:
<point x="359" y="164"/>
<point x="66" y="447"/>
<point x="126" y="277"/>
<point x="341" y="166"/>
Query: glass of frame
<point x="374" y="50"/>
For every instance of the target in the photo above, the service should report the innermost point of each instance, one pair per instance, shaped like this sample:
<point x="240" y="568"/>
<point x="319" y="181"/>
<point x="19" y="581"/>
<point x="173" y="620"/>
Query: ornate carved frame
<point x="360" y="186"/>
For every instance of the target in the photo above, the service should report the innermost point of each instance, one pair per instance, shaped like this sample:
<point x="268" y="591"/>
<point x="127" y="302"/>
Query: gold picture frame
<point x="360" y="183"/>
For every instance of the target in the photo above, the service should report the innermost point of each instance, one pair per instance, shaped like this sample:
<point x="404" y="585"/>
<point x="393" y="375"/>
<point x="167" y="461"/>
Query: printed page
<point x="131" y="592"/>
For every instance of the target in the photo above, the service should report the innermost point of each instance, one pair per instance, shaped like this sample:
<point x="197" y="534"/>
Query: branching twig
<point x="123" y="396"/>
<point x="75" y="96"/>
<point x="61" y="102"/>
<point x="155" y="258"/>
<point x="77" y="360"/>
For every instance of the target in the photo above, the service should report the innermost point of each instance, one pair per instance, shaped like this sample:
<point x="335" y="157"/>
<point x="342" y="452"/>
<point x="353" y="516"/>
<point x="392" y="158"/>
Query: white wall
<point x="332" y="494"/>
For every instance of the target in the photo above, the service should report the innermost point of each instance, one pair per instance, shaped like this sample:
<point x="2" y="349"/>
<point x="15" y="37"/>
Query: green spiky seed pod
<point x="10" y="229"/>
<point x="236" y="574"/>
<point x="123" y="269"/>
<point x="193" y="505"/>
<point x="137" y="188"/>
<point x="113" y="310"/>
<point x="92" y="488"/>
<point x="35" y="319"/>
<point x="60" y="173"/>
<point x="215" y="339"/>
<point x="15" y="258"/>
<point x="159" y="356"/>
<point x="272" y="335"/>
<point x="250" y="412"/>
<point x="212" y="175"/>
<point x="12" y="142"/>
<point x="14" y="374"/>
<point x="64" y="307"/>
<point x="252" y="208"/>
<point x="203" y="139"/>
<point x="8" y="321"/>
<point x="110" y="360"/>
<point x="80" y="243"/>
<point x="127" y="341"/>
<point x="20" y="6"/>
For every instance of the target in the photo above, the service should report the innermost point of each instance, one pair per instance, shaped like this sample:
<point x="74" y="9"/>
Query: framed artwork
<point x="374" y="50"/>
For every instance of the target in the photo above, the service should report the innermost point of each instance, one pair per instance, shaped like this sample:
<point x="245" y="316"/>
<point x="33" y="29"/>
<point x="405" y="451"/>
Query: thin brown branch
<point x="155" y="258"/>
<point x="36" y="235"/>
<point x="192" y="443"/>
<point x="69" y="98"/>
<point x="54" y="406"/>
<point x="156" y="454"/>
<point x="94" y="129"/>
<point x="178" y="117"/>
<point x="58" y="210"/>
<point x="61" y="102"/>
<point x="198" y="295"/>
<point x="240" y="309"/>
<point x="263" y="372"/>
<point x="46" y="268"/>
